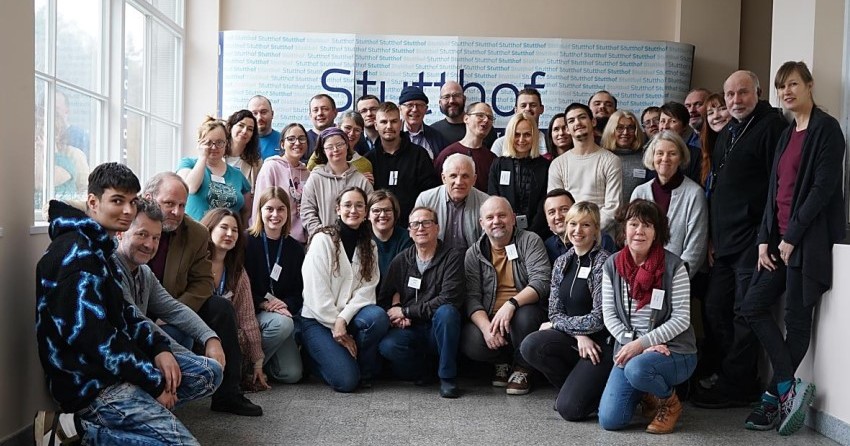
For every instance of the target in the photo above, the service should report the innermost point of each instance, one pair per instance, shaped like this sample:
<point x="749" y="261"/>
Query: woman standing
<point x="680" y="199"/>
<point x="574" y="350"/>
<point x="716" y="117"/>
<point x="803" y="218"/>
<point x="212" y="182"/>
<point x="341" y="325"/>
<point x="273" y="262"/>
<point x="244" y="150"/>
<point x="558" y="140"/>
<point x="521" y="174"/>
<point x="622" y="138"/>
<point x="288" y="172"/>
<point x="647" y="309"/>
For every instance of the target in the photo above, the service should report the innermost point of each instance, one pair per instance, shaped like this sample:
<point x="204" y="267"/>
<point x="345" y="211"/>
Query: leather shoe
<point x="448" y="388"/>
<point x="238" y="405"/>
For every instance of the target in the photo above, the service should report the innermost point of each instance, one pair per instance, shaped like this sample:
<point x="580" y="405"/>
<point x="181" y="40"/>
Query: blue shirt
<point x="270" y="144"/>
<point x="211" y="194"/>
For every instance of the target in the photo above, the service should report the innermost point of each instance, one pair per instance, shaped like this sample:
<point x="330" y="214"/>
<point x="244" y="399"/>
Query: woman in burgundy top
<point x="803" y="218"/>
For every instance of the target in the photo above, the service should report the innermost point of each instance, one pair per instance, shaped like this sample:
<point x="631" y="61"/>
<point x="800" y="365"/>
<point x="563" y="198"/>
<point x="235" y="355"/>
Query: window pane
<point x="163" y="73"/>
<point x="76" y="119"/>
<point x="41" y="119"/>
<point x="79" y="42"/>
<point x="162" y="147"/>
<point x="134" y="55"/>
<point x="135" y="141"/>
<point x="171" y="8"/>
<point x="41" y="36"/>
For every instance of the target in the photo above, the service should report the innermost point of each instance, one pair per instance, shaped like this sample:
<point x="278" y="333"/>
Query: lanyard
<point x="268" y="261"/>
<point x="221" y="282"/>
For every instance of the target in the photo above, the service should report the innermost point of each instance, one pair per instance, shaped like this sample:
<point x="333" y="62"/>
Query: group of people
<point x="381" y="247"/>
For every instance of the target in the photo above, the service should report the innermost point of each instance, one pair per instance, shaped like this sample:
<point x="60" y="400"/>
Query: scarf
<point x="641" y="279"/>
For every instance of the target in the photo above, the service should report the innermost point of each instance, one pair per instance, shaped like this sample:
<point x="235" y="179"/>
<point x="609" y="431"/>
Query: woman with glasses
<point x="558" y="140"/>
<point x="289" y="173"/>
<point x="390" y="239"/>
<point x="351" y="123"/>
<point x="521" y="174"/>
<point x="622" y="138"/>
<point x="341" y="326"/>
<point x="212" y="182"/>
<point x="716" y="118"/>
<point x="244" y="150"/>
<point x="333" y="174"/>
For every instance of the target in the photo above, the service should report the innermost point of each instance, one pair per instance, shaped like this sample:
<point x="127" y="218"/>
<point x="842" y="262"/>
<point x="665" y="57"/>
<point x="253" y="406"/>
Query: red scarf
<point x="641" y="279"/>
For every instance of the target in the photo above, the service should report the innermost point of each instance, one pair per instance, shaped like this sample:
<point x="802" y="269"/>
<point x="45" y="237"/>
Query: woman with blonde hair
<point x="622" y="138"/>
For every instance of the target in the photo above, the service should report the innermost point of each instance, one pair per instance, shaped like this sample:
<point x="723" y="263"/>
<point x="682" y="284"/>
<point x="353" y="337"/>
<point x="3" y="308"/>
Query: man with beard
<point x="695" y="103"/>
<point x="603" y="104"/>
<point x="261" y="107"/>
<point x="452" y="105"/>
<point x="479" y="123"/>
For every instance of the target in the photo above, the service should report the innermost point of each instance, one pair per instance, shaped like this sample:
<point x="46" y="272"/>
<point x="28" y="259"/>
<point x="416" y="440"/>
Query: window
<point x="82" y="113"/>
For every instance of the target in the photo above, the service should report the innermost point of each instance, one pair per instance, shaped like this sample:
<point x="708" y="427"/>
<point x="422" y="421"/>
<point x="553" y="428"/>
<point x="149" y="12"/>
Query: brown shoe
<point x="518" y="382"/>
<point x="669" y="411"/>
<point x="649" y="405"/>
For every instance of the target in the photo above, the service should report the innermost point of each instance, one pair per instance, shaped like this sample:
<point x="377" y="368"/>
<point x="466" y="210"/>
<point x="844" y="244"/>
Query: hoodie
<point x="277" y="171"/>
<point x="318" y="203"/>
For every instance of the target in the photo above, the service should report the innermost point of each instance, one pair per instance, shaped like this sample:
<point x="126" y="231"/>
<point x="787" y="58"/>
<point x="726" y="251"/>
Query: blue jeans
<point x="178" y="336"/>
<point x="649" y="372"/>
<point x="332" y="362"/>
<point x="124" y="414"/>
<point x="406" y="349"/>
<point x="282" y="359"/>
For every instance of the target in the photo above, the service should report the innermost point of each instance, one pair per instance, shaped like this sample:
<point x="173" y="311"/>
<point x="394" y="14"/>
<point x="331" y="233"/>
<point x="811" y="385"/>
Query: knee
<point x="447" y="315"/>
<point x="610" y="422"/>
<point x="570" y="412"/>
<point x="345" y="383"/>
<point x="217" y="310"/>
<point x="372" y="319"/>
<point x="277" y="326"/>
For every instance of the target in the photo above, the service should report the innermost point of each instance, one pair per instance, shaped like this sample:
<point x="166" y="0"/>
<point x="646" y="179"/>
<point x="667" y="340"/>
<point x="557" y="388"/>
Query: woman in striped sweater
<point x="646" y="308"/>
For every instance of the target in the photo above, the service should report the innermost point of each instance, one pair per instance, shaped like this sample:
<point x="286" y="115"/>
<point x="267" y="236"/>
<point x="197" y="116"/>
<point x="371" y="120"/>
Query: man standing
<point x="182" y="266"/>
<point x="261" y="107"/>
<point x="588" y="171"/>
<point x="367" y="106"/>
<point x="507" y="286"/>
<point x="695" y="103"/>
<point x="424" y="287"/>
<point x="322" y="115"/>
<point x="529" y="102"/>
<point x="452" y="105"/>
<point x="103" y="361"/>
<point x="456" y="202"/>
<point x="400" y="166"/>
<point x="479" y="123"/>
<point x="602" y="104"/>
<point x="742" y="161"/>
<point x="414" y="105"/>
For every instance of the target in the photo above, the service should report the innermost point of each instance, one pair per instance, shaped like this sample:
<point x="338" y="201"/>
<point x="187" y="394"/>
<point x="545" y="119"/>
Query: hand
<point x="785" y="250"/>
<point x="395" y="313"/>
<point x="766" y="260"/>
<point x="588" y="349"/>
<point x="628" y="352"/>
<point x="259" y="379"/>
<point x="166" y="363"/>
<point x="370" y="177"/>
<point x="406" y="322"/>
<point x="494" y="341"/>
<point x="546" y="325"/>
<point x="213" y="350"/>
<point x="275" y="305"/>
<point x="501" y="322"/>
<point x="167" y="399"/>
<point x="340" y="329"/>
<point x="660" y="348"/>
<point x="348" y="342"/>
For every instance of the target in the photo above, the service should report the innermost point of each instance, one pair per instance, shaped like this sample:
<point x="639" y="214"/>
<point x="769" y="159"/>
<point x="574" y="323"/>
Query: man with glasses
<point x="398" y="165"/>
<point x="649" y="120"/>
<point x="479" y="123"/>
<point x="262" y="110"/>
<point x="422" y="293"/>
<point x="322" y="115"/>
<point x="529" y="102"/>
<point x="414" y="105"/>
<point x="367" y="106"/>
<point x="452" y="105"/>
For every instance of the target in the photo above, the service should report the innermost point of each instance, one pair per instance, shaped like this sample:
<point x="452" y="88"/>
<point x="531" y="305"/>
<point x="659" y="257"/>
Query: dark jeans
<point x="407" y="349"/>
<point x="786" y="352"/>
<point x="219" y="315"/>
<point x="526" y="320"/>
<point x="555" y="354"/>
<point x="737" y="348"/>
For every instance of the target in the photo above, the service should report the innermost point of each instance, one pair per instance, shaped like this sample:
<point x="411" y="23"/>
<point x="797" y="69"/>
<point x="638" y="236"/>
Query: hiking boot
<point x="518" y="382"/>
<point x="54" y="428"/>
<point x="649" y="405"/>
<point x="500" y="378"/>
<point x="669" y="411"/>
<point x="793" y="406"/>
<point x="765" y="415"/>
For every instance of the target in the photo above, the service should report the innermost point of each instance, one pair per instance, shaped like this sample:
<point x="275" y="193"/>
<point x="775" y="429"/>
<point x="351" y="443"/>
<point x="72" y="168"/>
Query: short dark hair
<point x="578" y="105"/>
<point x="559" y="192"/>
<point x="149" y="208"/>
<point x="646" y="212"/>
<point x="366" y="97"/>
<point x="323" y="96"/>
<point x="113" y="175"/>
<point x="613" y="98"/>
<point x="387" y="107"/>
<point x="529" y="92"/>
<point x="676" y="110"/>
<point x="650" y="109"/>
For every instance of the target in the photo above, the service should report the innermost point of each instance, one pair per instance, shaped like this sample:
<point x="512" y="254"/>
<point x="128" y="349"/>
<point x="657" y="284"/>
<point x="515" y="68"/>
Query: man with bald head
<point x="742" y="160"/>
<point x="452" y="105"/>
<point x="507" y="284"/>
<point x="261" y="108"/>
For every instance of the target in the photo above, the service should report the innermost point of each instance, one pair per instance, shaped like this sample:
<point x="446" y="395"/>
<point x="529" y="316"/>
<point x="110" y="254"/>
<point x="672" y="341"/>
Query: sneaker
<point x="500" y="379"/>
<point x="518" y="382"/>
<point x="764" y="416"/>
<point x="51" y="428"/>
<point x="721" y="396"/>
<point x="669" y="411"/>
<point x="793" y="406"/>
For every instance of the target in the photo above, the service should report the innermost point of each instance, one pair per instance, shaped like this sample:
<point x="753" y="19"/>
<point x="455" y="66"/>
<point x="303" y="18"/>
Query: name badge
<point x="657" y="299"/>
<point x="393" y="178"/>
<point x="639" y="173"/>
<point x="629" y="335"/>
<point x="217" y="179"/>
<point x="268" y="297"/>
<point x="228" y="295"/>
<point x="505" y="178"/>
<point x="414" y="282"/>
<point x="583" y="272"/>
<point x="276" y="269"/>
<point x="511" y="251"/>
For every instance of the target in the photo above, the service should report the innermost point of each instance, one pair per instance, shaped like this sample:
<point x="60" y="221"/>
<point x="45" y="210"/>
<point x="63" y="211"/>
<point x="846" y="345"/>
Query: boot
<point x="649" y="405"/>
<point x="669" y="411"/>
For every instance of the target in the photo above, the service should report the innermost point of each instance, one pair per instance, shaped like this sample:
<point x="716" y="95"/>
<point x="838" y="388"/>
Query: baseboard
<point x="22" y="437"/>
<point x="829" y="426"/>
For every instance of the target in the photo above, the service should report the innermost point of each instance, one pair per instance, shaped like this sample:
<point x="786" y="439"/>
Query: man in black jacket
<point x="422" y="291"/>
<point x="741" y="164"/>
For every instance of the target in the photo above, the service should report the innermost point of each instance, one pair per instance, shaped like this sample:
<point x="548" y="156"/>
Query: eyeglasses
<point x="379" y="211"/>
<point x="448" y="96"/>
<point x="482" y="116"/>
<point x="626" y="129"/>
<point x="414" y="105"/>
<point x="650" y="122"/>
<point x="295" y="139"/>
<point x="220" y="144"/>
<point x="337" y="146"/>
<point x="422" y="223"/>
<point x="350" y="206"/>
<point x="363" y="111"/>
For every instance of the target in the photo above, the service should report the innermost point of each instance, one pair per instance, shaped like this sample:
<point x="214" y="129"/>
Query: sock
<point x="784" y="386"/>
<point x="770" y="399"/>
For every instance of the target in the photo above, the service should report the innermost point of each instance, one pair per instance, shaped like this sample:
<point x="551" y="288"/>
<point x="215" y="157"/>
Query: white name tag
<point x="505" y="178"/>
<point x="511" y="251"/>
<point x="639" y="173"/>
<point x="414" y="282"/>
<point x="217" y="179"/>
<point x="657" y="299"/>
<point x="276" y="269"/>
<point x="268" y="297"/>
<point x="228" y="295"/>
<point x="393" y="181"/>
<point x="583" y="272"/>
